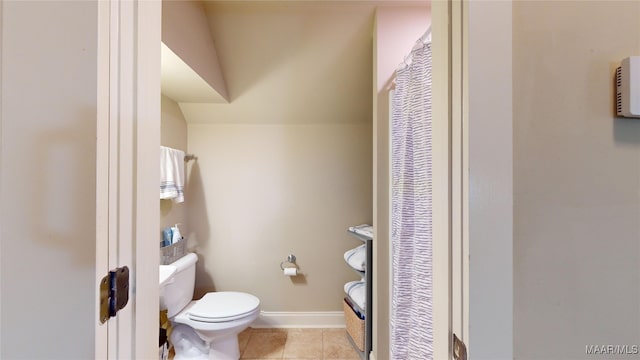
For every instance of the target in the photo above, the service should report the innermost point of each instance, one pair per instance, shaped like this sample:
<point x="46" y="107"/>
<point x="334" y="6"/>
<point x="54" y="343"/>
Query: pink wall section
<point x="397" y="29"/>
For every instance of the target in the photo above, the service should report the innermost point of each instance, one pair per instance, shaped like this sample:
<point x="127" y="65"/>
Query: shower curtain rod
<point x="422" y="40"/>
<point x="426" y="37"/>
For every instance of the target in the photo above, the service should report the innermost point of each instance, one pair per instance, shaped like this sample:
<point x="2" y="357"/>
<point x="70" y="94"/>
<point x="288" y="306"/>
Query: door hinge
<point x="114" y="293"/>
<point x="459" y="349"/>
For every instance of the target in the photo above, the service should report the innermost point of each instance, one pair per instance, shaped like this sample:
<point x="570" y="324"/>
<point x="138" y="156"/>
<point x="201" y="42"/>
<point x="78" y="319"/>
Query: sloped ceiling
<point x="296" y="62"/>
<point x="190" y="69"/>
<point x="182" y="83"/>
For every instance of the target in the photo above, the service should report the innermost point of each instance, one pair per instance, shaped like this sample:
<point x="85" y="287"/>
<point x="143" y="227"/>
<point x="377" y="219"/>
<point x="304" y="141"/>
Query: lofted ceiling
<point x="295" y="61"/>
<point x="182" y="83"/>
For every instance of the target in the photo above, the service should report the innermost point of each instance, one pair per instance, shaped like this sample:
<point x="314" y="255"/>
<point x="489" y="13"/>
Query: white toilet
<point x="207" y="328"/>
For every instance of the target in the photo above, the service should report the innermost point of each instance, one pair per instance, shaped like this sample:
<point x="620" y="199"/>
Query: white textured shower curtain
<point x="411" y="230"/>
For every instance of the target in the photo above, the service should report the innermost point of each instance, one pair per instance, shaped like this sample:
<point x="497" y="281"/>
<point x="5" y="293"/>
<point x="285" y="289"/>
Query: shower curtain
<point x="411" y="210"/>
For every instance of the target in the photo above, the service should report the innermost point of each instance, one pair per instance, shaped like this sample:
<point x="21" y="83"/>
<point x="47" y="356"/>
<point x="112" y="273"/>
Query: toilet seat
<point x="223" y="306"/>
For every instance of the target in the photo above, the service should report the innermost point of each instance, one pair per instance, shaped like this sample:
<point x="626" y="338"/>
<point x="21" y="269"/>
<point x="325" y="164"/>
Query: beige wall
<point x="576" y="180"/>
<point x="174" y="135"/>
<point x="260" y="192"/>
<point x="286" y="166"/>
<point x="48" y="179"/>
<point x="396" y="31"/>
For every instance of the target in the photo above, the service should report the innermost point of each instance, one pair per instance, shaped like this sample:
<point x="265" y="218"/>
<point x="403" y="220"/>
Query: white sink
<point x="166" y="274"/>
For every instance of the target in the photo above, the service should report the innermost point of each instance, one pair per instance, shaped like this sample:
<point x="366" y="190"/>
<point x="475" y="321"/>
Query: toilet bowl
<point x="207" y="328"/>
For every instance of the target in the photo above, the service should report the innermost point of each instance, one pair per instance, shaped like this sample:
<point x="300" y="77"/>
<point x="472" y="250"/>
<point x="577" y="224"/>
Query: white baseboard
<point x="299" y="319"/>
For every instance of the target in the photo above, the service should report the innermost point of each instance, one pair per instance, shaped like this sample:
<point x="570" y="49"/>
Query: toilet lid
<point x="223" y="306"/>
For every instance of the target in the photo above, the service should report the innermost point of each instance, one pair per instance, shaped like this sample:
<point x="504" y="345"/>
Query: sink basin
<point x="166" y="274"/>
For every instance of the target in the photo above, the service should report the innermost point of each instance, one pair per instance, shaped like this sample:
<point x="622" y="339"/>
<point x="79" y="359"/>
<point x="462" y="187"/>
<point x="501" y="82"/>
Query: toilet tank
<point x="179" y="292"/>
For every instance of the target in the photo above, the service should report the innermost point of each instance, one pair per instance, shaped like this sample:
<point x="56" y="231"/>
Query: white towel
<point x="357" y="258"/>
<point x="357" y="292"/>
<point x="364" y="229"/>
<point x="171" y="174"/>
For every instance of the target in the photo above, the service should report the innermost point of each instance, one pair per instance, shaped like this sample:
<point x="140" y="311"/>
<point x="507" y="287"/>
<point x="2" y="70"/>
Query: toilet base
<point x="225" y="349"/>
<point x="189" y="346"/>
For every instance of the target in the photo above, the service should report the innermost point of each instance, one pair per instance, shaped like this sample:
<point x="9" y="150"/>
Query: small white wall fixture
<point x="628" y="88"/>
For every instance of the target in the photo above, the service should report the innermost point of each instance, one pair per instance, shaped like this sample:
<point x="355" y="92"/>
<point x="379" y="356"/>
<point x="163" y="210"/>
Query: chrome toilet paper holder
<point x="291" y="260"/>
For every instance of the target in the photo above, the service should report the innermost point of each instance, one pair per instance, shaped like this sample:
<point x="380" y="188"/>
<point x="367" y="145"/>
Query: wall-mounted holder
<point x="291" y="262"/>
<point x="289" y="266"/>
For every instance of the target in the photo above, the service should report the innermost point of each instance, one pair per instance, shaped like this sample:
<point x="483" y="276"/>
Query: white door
<point x="128" y="167"/>
<point x="79" y="110"/>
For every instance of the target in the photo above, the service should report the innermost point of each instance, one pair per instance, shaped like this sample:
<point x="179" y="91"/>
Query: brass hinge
<point x="114" y="293"/>
<point x="459" y="349"/>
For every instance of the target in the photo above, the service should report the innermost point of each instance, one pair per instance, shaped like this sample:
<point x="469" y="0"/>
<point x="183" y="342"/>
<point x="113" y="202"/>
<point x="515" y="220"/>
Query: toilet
<point x="208" y="328"/>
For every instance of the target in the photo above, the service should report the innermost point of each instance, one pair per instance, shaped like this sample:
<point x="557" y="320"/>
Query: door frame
<point x="450" y="177"/>
<point x="128" y="139"/>
<point x="481" y="176"/>
<point x="129" y="136"/>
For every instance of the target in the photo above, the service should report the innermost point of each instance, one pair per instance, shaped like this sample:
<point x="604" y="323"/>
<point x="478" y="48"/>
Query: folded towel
<point x="357" y="258"/>
<point x="356" y="309"/>
<point x="171" y="174"/>
<point x="357" y="292"/>
<point x="364" y="229"/>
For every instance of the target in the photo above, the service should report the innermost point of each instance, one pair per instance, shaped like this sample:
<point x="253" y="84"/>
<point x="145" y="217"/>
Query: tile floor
<point x="296" y="344"/>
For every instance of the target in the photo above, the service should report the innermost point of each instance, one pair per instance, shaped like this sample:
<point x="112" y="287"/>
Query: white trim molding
<point x="128" y="139"/>
<point x="299" y="319"/>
